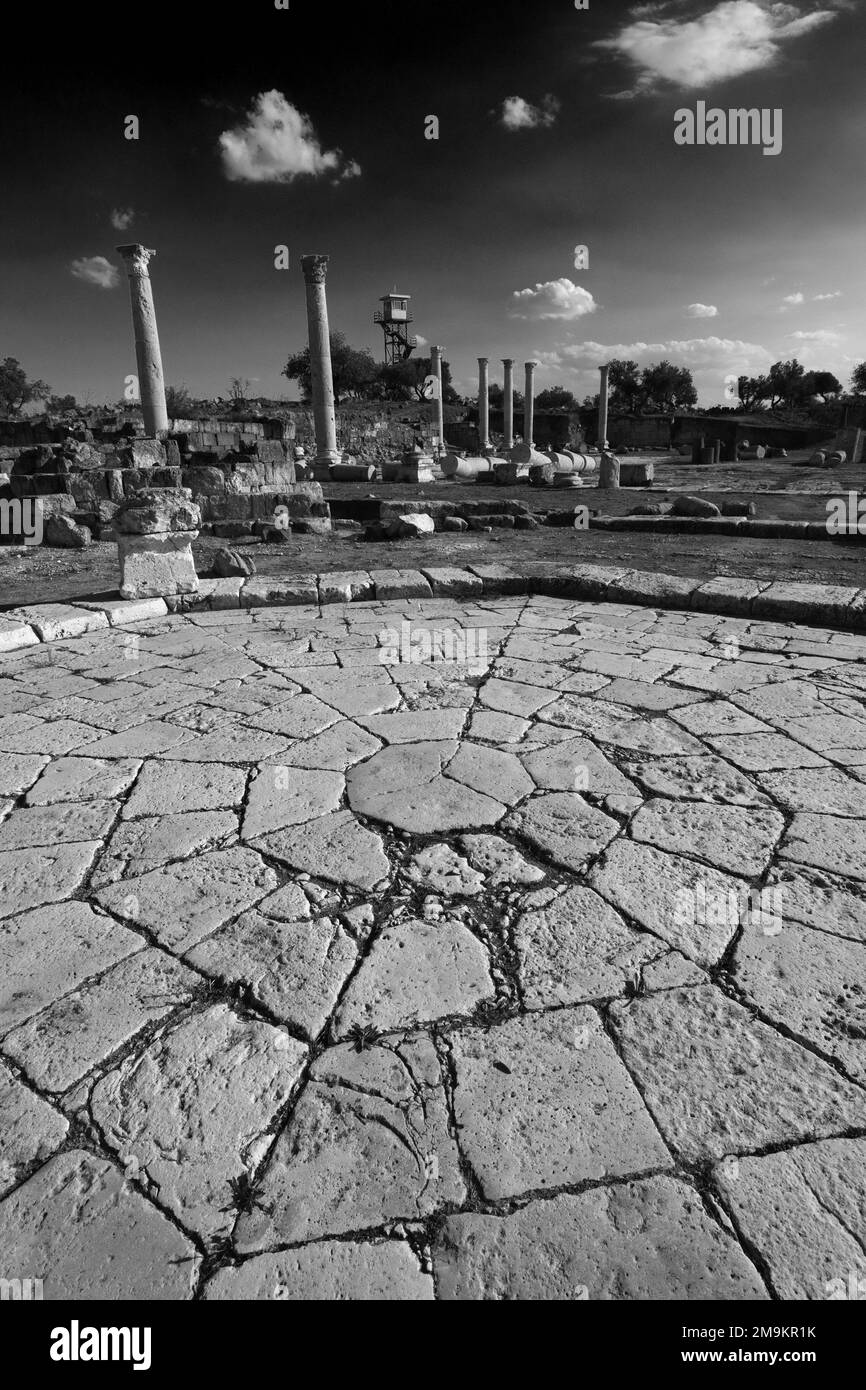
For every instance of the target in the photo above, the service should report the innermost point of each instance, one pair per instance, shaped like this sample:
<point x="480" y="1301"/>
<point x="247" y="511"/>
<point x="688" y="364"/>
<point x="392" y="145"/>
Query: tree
<point x="624" y="385"/>
<point x="16" y="390"/>
<point x="239" y="389"/>
<point x="753" y="391"/>
<point x="353" y="370"/>
<point x="858" y="379"/>
<point x="59" y="404"/>
<point x="178" y="401"/>
<point x="666" y="387"/>
<point x="821" y="384"/>
<point x="497" y="397"/>
<point x="555" y="398"/>
<point x="785" y="380"/>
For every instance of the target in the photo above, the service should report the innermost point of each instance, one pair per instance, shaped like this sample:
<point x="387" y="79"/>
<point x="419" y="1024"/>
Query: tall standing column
<point x="436" y="370"/>
<point x="508" y="402"/>
<point x="529" y="404"/>
<point x="151" y="385"/>
<point x="483" y="406"/>
<point x="315" y="269"/>
<point x="602" y="408"/>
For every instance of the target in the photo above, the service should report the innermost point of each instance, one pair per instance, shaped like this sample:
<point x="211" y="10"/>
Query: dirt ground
<point x="785" y="489"/>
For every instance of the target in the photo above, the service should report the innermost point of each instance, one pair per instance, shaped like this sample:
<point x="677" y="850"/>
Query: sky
<point x="305" y="127"/>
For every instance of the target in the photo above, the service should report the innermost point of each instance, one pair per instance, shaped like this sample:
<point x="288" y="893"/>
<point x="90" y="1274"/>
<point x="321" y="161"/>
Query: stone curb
<point x="741" y="526"/>
<point x="813" y="605"/>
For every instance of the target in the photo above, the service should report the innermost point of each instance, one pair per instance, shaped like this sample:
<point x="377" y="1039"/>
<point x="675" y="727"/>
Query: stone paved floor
<point x="532" y="976"/>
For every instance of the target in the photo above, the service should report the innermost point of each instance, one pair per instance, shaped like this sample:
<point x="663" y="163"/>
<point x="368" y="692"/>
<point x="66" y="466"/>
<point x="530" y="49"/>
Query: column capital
<point x="507" y="361"/>
<point x="483" y="361"/>
<point x="315" y="269"/>
<point x="530" y="364"/>
<point x="136" y="257"/>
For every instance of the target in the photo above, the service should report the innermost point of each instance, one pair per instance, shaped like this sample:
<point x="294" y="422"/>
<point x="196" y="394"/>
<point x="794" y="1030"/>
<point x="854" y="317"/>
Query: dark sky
<point x="772" y="244"/>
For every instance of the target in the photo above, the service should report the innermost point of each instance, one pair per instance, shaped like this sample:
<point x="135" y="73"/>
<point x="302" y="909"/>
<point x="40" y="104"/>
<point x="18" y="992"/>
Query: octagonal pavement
<point x="531" y="970"/>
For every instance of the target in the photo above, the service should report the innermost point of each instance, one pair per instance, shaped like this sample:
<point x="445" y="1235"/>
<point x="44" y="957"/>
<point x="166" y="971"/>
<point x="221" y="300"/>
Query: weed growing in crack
<point x="363" y="1036"/>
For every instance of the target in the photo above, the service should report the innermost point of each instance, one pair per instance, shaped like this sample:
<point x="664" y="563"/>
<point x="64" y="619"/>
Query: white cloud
<point x="835" y="294"/>
<point x="701" y="311"/>
<point x="796" y="298"/>
<point x="122" y="218"/>
<point x="731" y="38"/>
<point x="422" y="341"/>
<point x="277" y="144"/>
<point x="519" y="114"/>
<point x="703" y="351"/>
<point x="96" y="270"/>
<point x="554" y="299"/>
<point x="815" y="335"/>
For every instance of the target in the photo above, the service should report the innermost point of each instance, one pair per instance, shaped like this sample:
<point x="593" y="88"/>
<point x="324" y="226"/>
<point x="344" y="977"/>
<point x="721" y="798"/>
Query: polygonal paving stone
<point x="417" y="726"/>
<point x="354" y="693"/>
<point x="21" y="733"/>
<point x="336" y="847"/>
<point x="764" y="752"/>
<point x="367" y="1143"/>
<point x="718" y="1081"/>
<point x="18" y="771"/>
<point x="575" y="764"/>
<point x="403" y="786"/>
<point x="514" y="697"/>
<point x="298" y="717"/>
<point x="693" y="908"/>
<point x="294" y="968"/>
<point x="235" y="744"/>
<point x="332" y="1271"/>
<point x="79" y="1226"/>
<point x="701" y="778"/>
<point x="824" y="790"/>
<point x="565" y="827"/>
<point x="417" y="972"/>
<point x="827" y="842"/>
<point x="641" y="694"/>
<point x="499" y="861"/>
<point x="337" y="748"/>
<point x="142" y="741"/>
<point x="191" y="1110"/>
<point x="183" y="902"/>
<point x="543" y="1100"/>
<point x="83" y="779"/>
<point x="45" y="953"/>
<point x="718" y="717"/>
<point x="166" y="788"/>
<point x="804" y="1211"/>
<point x="281" y="796"/>
<point x="491" y="771"/>
<point x="621" y="727"/>
<point x="650" y="1239"/>
<point x="818" y="904"/>
<point x="30" y="1130"/>
<point x="577" y="948"/>
<point x="29" y="877"/>
<point x="737" y="838"/>
<point x="440" y="870"/>
<point x="70" y="822"/>
<point x="138" y="846"/>
<point x="70" y="1037"/>
<point x="813" y="984"/>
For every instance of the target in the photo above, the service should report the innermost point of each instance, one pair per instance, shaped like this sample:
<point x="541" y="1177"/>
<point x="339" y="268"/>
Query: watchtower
<point x="394" y="316"/>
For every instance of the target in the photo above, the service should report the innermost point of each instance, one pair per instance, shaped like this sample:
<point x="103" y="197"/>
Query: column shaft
<point x="529" y="404"/>
<point x="151" y="383"/>
<point x="508" y="402"/>
<point x="436" y="370"/>
<point x="315" y="269"/>
<point x="602" y="407"/>
<point x="483" y="405"/>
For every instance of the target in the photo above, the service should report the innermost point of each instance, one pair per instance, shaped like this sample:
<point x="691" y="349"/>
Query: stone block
<point x="346" y="587"/>
<point x="447" y="581"/>
<point x="279" y="591"/>
<point x="394" y="583"/>
<point x="60" y="530"/>
<point x="156" y="511"/>
<point x="142" y="453"/>
<point x="157" y="564"/>
<point x="53" y="622"/>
